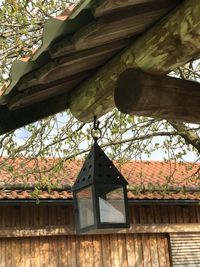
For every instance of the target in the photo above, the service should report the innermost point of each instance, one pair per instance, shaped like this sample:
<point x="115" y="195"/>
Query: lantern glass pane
<point x="111" y="205"/>
<point x="85" y="207"/>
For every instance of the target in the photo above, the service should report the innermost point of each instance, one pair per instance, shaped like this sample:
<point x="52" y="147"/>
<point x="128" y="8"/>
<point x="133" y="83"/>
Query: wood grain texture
<point x="68" y="230"/>
<point x="104" y="7"/>
<point x="70" y="66"/>
<point x="170" y="43"/>
<point x="119" y="25"/>
<point x="158" y="96"/>
<point x="46" y="252"/>
<point x="38" y="94"/>
<point x="39" y="238"/>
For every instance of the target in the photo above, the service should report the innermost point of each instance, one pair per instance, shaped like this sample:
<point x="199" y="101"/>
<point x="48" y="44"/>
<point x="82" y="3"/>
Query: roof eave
<point x="65" y="202"/>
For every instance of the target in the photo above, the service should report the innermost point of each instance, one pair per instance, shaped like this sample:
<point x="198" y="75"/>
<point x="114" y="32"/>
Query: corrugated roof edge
<point x="54" y="29"/>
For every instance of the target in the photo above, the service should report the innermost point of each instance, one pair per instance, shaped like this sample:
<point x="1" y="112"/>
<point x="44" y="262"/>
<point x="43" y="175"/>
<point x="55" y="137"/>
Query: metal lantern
<point x="100" y="194"/>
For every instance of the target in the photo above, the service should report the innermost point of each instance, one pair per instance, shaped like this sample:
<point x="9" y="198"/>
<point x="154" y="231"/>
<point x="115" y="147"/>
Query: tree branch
<point x="187" y="134"/>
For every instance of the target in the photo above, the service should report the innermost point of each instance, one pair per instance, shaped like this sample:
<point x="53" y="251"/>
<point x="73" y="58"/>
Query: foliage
<point x="61" y="137"/>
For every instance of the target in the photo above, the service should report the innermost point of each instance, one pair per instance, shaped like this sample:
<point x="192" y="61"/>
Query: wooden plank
<point x="135" y="214"/>
<point x="32" y="251"/>
<point x="79" y="62"/>
<point x="158" y="96"/>
<point x="179" y="214"/>
<point x="186" y="217"/>
<point x="146" y="250"/>
<point x="82" y="251"/>
<point x="8" y="252"/>
<point x="114" y="251"/>
<point x="10" y="120"/>
<point x="36" y="241"/>
<point x="130" y="250"/>
<point x="97" y="251"/>
<point x="197" y="213"/>
<point x="153" y="250"/>
<point x="106" y="253"/>
<point x="143" y="214"/>
<point x="74" y="64"/>
<point x="8" y="232"/>
<point x="61" y="48"/>
<point x="161" y="250"/>
<point x="170" y="43"/>
<point x="138" y="250"/>
<point x="73" y="251"/>
<point x="37" y="94"/>
<point x="193" y="215"/>
<point x="171" y="211"/>
<point x="77" y="242"/>
<point x="123" y="261"/>
<point x="167" y="250"/>
<point x="104" y="7"/>
<point x="119" y="25"/>
<point x="64" y="252"/>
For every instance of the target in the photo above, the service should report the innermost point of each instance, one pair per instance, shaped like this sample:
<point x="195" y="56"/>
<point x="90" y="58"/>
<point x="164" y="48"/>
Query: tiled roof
<point x="147" y="180"/>
<point x="153" y="172"/>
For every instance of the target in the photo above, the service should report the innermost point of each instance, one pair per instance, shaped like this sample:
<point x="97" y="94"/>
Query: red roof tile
<point x="147" y="180"/>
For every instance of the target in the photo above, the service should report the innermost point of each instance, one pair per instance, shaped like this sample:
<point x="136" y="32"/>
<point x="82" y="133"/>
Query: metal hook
<point x="96" y="123"/>
<point x="96" y="132"/>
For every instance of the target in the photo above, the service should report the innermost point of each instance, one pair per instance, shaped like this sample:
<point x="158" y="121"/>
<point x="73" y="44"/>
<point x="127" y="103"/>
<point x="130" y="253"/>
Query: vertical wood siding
<point x="116" y="250"/>
<point x="139" y="250"/>
<point x="36" y="216"/>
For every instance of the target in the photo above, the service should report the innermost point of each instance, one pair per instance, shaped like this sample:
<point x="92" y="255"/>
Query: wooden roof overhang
<point x="83" y="55"/>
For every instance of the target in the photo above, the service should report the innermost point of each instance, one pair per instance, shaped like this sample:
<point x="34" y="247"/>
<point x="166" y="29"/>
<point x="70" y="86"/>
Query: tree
<point x="61" y="137"/>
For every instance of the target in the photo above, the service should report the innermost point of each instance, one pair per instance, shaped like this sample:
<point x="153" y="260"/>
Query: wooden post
<point x="162" y="97"/>
<point x="172" y="42"/>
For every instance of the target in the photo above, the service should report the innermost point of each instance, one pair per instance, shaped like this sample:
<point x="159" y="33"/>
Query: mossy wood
<point x="164" y="97"/>
<point x="170" y="43"/>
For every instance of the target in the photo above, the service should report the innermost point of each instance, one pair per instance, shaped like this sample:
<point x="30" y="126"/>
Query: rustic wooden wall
<point x="40" y="215"/>
<point x="112" y="250"/>
<point x="122" y="250"/>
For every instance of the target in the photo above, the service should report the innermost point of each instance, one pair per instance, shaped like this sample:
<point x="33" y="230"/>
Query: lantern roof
<point x="98" y="169"/>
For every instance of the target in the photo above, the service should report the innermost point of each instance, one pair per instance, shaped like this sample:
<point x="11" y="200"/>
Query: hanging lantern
<point x="100" y="194"/>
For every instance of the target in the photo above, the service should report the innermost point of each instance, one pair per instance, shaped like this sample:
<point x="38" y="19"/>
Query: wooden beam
<point x="43" y="92"/>
<point x="170" y="43"/>
<point x="7" y="232"/>
<point x="32" y="231"/>
<point x="104" y="7"/>
<point x="122" y="24"/>
<point x="11" y="120"/>
<point x="164" y="97"/>
<point x="71" y="65"/>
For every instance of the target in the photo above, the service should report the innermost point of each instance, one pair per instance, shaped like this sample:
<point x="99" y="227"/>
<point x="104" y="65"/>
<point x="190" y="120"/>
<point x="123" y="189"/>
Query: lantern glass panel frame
<point x="111" y="204"/>
<point x="103" y="196"/>
<point x="85" y="207"/>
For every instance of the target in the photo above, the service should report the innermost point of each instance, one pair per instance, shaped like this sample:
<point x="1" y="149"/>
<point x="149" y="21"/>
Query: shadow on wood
<point x="164" y="97"/>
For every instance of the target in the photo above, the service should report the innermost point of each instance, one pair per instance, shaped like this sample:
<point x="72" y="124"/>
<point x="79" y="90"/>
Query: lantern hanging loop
<point x="96" y="131"/>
